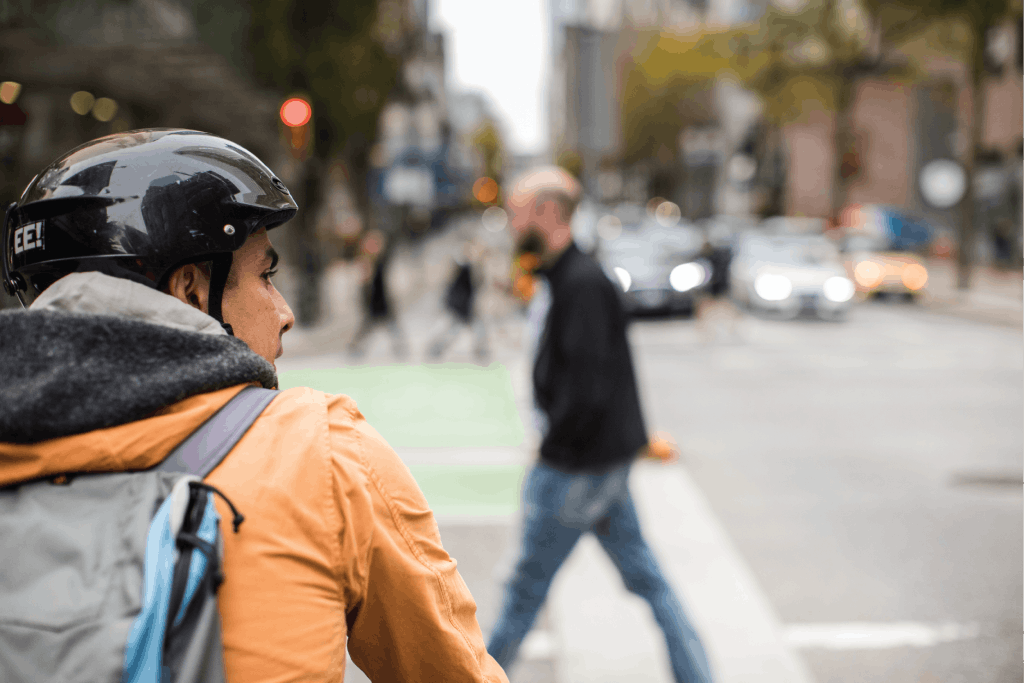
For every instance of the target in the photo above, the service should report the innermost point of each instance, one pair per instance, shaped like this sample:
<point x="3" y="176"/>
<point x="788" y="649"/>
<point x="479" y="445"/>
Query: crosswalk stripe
<point x="859" y="635"/>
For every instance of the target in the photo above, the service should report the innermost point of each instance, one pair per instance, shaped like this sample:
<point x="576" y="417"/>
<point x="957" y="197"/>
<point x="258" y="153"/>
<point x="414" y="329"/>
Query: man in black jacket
<point x="592" y="430"/>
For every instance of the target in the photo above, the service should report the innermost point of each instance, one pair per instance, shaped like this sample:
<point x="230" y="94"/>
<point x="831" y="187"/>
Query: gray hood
<point x="96" y="351"/>
<point x="99" y="294"/>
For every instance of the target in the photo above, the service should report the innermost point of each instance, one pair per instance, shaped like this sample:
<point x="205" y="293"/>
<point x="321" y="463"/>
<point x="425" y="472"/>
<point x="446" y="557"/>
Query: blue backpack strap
<point x="204" y="449"/>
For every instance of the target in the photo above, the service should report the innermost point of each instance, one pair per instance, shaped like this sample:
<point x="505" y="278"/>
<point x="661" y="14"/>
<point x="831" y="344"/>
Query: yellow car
<point x="874" y="269"/>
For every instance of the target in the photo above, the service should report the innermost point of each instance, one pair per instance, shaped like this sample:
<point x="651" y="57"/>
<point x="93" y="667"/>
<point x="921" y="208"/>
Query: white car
<point x="789" y="274"/>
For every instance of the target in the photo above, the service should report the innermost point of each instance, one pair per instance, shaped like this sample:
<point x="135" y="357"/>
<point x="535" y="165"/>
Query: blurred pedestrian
<point x="142" y="325"/>
<point x="461" y="304"/>
<point x="592" y="430"/>
<point x="713" y="303"/>
<point x="378" y="309"/>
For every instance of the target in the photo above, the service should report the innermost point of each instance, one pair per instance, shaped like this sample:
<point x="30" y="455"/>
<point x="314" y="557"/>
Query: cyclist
<point x="145" y="263"/>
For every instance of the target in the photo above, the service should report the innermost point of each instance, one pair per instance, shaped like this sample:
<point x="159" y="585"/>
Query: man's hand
<point x="661" y="447"/>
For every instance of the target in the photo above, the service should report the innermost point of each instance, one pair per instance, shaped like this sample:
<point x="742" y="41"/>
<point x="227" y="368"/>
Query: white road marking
<point x="539" y="644"/>
<point x="858" y="635"/>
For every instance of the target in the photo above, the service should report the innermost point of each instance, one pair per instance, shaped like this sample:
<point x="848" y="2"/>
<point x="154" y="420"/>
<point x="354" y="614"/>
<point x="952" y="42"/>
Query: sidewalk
<point x="996" y="296"/>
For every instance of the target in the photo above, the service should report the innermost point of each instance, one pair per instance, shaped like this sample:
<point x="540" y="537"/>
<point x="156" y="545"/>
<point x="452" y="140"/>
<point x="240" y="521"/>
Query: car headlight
<point x="625" y="279"/>
<point x="686" y="276"/>
<point x="867" y="273"/>
<point x="838" y="289"/>
<point x="773" y="287"/>
<point x="914" y="276"/>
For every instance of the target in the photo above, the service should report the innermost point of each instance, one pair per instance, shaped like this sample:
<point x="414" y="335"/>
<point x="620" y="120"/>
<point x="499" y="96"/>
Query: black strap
<point x="201" y="452"/>
<point x="218" y="281"/>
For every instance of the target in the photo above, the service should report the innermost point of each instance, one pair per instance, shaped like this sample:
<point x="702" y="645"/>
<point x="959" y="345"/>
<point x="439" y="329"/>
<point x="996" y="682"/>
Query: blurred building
<point x="899" y="129"/>
<point x="137" y="64"/>
<point x="728" y="159"/>
<point x="592" y="40"/>
<point x="469" y="114"/>
<point x="87" y="69"/>
<point x="415" y="178"/>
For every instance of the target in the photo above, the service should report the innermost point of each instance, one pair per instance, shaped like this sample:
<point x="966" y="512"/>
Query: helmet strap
<point x="218" y="280"/>
<point x="13" y="283"/>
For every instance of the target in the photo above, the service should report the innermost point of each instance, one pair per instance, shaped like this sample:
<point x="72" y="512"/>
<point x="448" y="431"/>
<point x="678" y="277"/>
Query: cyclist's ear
<point x="190" y="284"/>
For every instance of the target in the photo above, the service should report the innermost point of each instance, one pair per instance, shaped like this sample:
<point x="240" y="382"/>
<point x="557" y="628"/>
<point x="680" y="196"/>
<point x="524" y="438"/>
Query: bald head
<point x="541" y="205"/>
<point x="547" y="183"/>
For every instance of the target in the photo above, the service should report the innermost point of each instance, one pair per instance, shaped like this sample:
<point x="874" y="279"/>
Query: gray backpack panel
<point x="73" y="567"/>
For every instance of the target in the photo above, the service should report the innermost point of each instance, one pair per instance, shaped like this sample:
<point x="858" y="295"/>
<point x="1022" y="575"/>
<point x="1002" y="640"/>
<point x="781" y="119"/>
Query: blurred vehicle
<point x="792" y="225"/>
<point x="659" y="269"/>
<point x="725" y="231"/>
<point x="787" y="274"/>
<point x="896" y="228"/>
<point x="876" y="268"/>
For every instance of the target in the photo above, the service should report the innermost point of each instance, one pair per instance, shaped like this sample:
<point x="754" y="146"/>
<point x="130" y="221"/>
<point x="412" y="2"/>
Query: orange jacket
<point x="338" y="542"/>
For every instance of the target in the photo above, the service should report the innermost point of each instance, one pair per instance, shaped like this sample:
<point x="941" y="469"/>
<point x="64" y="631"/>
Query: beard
<point x="532" y="242"/>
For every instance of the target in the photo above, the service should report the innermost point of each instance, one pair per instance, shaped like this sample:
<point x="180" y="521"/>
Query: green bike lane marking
<point x="449" y="406"/>
<point x="470" y="490"/>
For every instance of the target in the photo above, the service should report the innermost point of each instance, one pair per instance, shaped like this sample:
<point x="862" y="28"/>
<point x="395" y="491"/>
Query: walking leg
<point x="545" y="545"/>
<point x="619" y="535"/>
<point x="445" y="339"/>
<point x="398" y="346"/>
<point x="481" y="347"/>
<point x="355" y="347"/>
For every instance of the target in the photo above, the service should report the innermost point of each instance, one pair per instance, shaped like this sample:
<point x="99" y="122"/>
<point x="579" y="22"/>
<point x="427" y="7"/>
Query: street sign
<point x="943" y="183"/>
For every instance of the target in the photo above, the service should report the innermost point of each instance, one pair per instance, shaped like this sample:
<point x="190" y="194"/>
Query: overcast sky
<point x="501" y="47"/>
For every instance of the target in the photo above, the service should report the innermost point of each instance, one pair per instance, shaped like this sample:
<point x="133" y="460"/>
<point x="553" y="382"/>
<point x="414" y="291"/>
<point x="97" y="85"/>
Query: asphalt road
<point x="868" y="471"/>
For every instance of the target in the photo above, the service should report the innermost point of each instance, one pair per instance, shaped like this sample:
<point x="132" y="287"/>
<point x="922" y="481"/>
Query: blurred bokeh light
<point x="82" y="102"/>
<point x="485" y="190"/>
<point x="104" y="109"/>
<point x="296" y="112"/>
<point x="9" y="91"/>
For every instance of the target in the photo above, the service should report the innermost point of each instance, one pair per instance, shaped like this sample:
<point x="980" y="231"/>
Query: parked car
<point x="659" y="269"/>
<point x="876" y="268"/>
<point x="787" y="274"/>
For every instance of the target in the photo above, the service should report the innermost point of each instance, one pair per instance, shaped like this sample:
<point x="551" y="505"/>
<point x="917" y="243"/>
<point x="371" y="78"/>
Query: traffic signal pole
<point x="296" y="114"/>
<point x="309" y="309"/>
<point x="965" y="254"/>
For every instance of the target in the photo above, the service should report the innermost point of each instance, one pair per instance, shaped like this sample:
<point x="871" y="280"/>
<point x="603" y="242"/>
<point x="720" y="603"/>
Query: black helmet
<point x="137" y="205"/>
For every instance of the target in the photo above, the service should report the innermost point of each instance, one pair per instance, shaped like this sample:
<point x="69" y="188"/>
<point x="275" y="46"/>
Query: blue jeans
<point x="558" y="509"/>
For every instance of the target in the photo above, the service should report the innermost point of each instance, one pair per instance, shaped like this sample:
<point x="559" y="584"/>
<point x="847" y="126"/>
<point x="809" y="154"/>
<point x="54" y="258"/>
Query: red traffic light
<point x="296" y="112"/>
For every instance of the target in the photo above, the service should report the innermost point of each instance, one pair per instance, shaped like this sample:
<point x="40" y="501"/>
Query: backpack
<point x="112" y="577"/>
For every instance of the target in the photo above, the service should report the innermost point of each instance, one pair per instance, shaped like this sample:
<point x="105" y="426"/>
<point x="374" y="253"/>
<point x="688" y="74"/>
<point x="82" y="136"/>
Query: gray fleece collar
<point x="64" y="373"/>
<point x="97" y="293"/>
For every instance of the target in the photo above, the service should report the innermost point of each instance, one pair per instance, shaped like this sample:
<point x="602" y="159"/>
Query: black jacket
<point x="583" y="376"/>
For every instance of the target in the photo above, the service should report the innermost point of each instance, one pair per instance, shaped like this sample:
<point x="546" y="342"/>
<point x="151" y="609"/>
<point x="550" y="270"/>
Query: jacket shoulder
<point x="586" y="279"/>
<point x="584" y="271"/>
